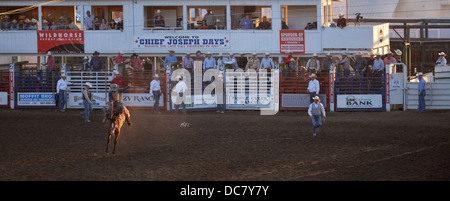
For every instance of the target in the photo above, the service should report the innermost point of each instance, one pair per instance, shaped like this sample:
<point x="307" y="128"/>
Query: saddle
<point x="117" y="108"/>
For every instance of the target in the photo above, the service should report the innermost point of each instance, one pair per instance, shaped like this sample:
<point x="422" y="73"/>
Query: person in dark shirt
<point x="341" y="22"/>
<point x="242" y="61"/>
<point x="97" y="63"/>
<point x="265" y="24"/>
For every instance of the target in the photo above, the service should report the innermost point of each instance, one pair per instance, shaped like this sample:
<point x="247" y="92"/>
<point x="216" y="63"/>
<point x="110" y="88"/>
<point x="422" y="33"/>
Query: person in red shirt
<point x="288" y="59"/>
<point x="118" y="80"/>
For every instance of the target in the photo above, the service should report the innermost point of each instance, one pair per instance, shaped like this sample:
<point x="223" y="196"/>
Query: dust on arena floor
<point x="40" y="144"/>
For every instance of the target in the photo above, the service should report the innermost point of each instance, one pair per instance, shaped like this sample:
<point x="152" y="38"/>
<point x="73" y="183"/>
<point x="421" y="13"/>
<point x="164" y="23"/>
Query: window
<point x="251" y="17"/>
<point x="59" y="18"/>
<point x="298" y="17"/>
<point x="163" y="17"/>
<point x="207" y="17"/>
<point x="104" y="18"/>
<point x="19" y="18"/>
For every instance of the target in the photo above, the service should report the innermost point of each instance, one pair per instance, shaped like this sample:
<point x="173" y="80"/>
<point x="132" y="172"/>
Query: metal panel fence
<point x="35" y="89"/>
<point x="4" y="88"/>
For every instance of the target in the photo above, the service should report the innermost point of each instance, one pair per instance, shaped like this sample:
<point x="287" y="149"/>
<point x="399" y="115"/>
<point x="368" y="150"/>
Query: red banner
<point x="293" y="40"/>
<point x="58" y="41"/>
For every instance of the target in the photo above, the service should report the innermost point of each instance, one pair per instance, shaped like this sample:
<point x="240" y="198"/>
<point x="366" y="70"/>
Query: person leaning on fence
<point x="118" y="80"/>
<point x="378" y="65"/>
<point x="180" y="89"/>
<point x="97" y="63"/>
<point x="61" y="88"/>
<point x="422" y="92"/>
<point x="170" y="60"/>
<point x="120" y="61"/>
<point x="326" y="63"/>
<point x="155" y="92"/>
<point x="50" y="62"/>
<point x="232" y="61"/>
<point x="345" y="64"/>
<point x="87" y="102"/>
<point x="313" y="87"/>
<point x="360" y="63"/>
<point x="188" y="63"/>
<point x="6" y="24"/>
<point x="86" y="64"/>
<point x="441" y="61"/>
<point x="292" y="65"/>
<point x="115" y="105"/>
<point x="253" y="63"/>
<point x="315" y="111"/>
<point x="267" y="62"/>
<point x="242" y="61"/>
<point x="136" y="62"/>
<point x="220" y="60"/>
<point x="209" y="62"/>
<point x="313" y="64"/>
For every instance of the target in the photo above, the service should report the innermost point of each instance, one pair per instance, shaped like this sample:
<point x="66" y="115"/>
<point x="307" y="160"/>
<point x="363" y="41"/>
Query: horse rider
<point x="115" y="104"/>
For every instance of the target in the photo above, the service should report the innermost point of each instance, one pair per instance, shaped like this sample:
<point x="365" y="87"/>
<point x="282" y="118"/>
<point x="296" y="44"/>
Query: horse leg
<point x="117" y="132"/>
<point x="110" y="132"/>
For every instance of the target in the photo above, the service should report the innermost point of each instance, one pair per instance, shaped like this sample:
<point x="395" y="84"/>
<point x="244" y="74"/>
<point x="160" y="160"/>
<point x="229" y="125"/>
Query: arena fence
<point x="4" y="88"/>
<point x="293" y="90"/>
<point x="35" y="89"/>
<point x="138" y="95"/>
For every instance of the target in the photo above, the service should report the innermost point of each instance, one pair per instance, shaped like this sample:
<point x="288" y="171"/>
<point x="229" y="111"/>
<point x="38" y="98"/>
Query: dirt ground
<point x="42" y="145"/>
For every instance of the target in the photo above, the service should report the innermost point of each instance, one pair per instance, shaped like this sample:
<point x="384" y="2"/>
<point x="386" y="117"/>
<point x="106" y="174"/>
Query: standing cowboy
<point x="87" y="102"/>
<point x="180" y="89"/>
<point x="422" y="93"/>
<point x="313" y="87"/>
<point x="155" y="91"/>
<point x="315" y="111"/>
<point x="313" y="64"/>
<point x="441" y="60"/>
<point x="61" y="88"/>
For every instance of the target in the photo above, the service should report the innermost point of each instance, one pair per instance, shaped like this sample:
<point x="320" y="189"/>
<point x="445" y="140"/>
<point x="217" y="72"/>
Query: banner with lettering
<point x="60" y="41"/>
<point x="182" y="41"/>
<point x="292" y="40"/>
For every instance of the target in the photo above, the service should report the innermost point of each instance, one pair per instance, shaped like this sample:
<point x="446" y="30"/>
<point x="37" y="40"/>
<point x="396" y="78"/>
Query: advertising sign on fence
<point x="300" y="100"/>
<point x="359" y="101"/>
<point x="60" y="41"/>
<point x="292" y="40"/>
<point x="140" y="100"/>
<point x="4" y="98"/>
<point x="76" y="100"/>
<point x="36" y="99"/>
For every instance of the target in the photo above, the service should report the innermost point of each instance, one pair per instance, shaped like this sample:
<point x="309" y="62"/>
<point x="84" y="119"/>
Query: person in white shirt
<point x="61" y="88"/>
<point x="155" y="91"/>
<point x="313" y="87"/>
<point x="315" y="111"/>
<point x="232" y="60"/>
<point x="266" y="62"/>
<point x="441" y="60"/>
<point x="378" y="64"/>
<point x="180" y="89"/>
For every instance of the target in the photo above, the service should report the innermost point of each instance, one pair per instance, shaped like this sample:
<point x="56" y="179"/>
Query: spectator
<point x="341" y="22"/>
<point x="6" y="25"/>
<point x="26" y="24"/>
<point x="45" y="25"/>
<point x="333" y="24"/>
<point x="61" y="88"/>
<point x="246" y="23"/>
<point x="370" y="62"/>
<point x="118" y="80"/>
<point x="86" y="64"/>
<point x="51" y="20"/>
<point x="72" y="25"/>
<point x="87" y="102"/>
<point x="198" y="56"/>
<point x="158" y="21"/>
<point x="112" y="25"/>
<point x="345" y="64"/>
<point x="232" y="61"/>
<point x="119" y="58"/>
<point x="360" y="63"/>
<point x="389" y="58"/>
<point x="209" y="19"/>
<point x="289" y="57"/>
<point x="97" y="63"/>
<point x="155" y="91"/>
<point x="315" y="111"/>
<point x="120" y="24"/>
<point x="180" y="89"/>
<point x="219" y="94"/>
<point x="313" y="64"/>
<point x="61" y="24"/>
<point x="204" y="25"/>
<point x="292" y="65"/>
<point x="284" y="25"/>
<point x="188" y="63"/>
<point x="218" y="25"/>
<point x="327" y="62"/>
<point x="50" y="62"/>
<point x="170" y="60"/>
<point x="209" y="61"/>
<point x="265" y="24"/>
<point x="441" y="61"/>
<point x="96" y="24"/>
<point x="136" y="62"/>
<point x="253" y="63"/>
<point x="313" y="87"/>
<point x="378" y="64"/>
<point x="33" y="25"/>
<point x="14" y="25"/>
<point x="242" y="61"/>
<point x="422" y="93"/>
<point x="266" y="62"/>
<point x="220" y="60"/>
<point x="89" y="21"/>
<point x="54" y="26"/>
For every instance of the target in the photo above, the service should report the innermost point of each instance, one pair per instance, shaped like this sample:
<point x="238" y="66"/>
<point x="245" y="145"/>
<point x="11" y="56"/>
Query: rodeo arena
<point x="248" y="90"/>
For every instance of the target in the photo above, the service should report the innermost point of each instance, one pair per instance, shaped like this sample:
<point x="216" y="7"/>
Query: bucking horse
<point x="116" y="120"/>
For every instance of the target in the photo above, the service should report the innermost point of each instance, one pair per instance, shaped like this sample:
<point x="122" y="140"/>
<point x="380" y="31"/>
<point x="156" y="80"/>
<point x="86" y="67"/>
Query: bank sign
<point x="182" y="41"/>
<point x="360" y="101"/>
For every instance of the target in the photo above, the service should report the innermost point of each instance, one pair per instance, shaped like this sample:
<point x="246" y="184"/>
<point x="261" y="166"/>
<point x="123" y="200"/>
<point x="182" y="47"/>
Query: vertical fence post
<point x="11" y="85"/>
<point x="331" y="87"/>
<point x="387" y="88"/>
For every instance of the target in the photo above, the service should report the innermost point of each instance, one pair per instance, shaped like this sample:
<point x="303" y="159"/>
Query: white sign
<point x="140" y="100"/>
<point x="3" y="98"/>
<point x="36" y="99"/>
<point x="98" y="100"/>
<point x="182" y="40"/>
<point x="359" y="101"/>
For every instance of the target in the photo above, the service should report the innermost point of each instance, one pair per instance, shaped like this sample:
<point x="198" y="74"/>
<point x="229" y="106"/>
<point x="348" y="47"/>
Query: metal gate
<point x="100" y="81"/>
<point x="138" y="95"/>
<point x="35" y="89"/>
<point x="4" y="88"/>
<point x="360" y="92"/>
<point x="293" y="90"/>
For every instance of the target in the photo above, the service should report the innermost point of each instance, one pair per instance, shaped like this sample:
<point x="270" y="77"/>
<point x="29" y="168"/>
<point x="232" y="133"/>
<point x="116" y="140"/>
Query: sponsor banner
<point x="359" y="101"/>
<point x="76" y="100"/>
<point x="36" y="99"/>
<point x="300" y="100"/>
<point x="293" y="40"/>
<point x="60" y="41"/>
<point x="187" y="40"/>
<point x="140" y="100"/>
<point x="4" y="98"/>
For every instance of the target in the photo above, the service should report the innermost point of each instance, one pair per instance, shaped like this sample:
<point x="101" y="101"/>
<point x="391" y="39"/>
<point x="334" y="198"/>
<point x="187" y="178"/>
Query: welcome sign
<point x="182" y="41"/>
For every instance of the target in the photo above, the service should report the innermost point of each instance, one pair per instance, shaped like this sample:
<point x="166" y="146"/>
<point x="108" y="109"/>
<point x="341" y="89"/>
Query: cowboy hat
<point x="96" y="53"/>
<point x="86" y="57"/>
<point x="158" y="11"/>
<point x="171" y="50"/>
<point x="217" y="20"/>
<point x="341" y="14"/>
<point x="254" y="53"/>
<point x="114" y="87"/>
<point x="88" y="84"/>
<point x="63" y="75"/>
<point x="442" y="53"/>
<point x="156" y="76"/>
<point x="315" y="55"/>
<point x="207" y="52"/>
<point x="179" y="77"/>
<point x="49" y="53"/>
<point x="420" y="74"/>
<point x="313" y="75"/>
<point x="266" y="53"/>
<point x="188" y="53"/>
<point x="292" y="59"/>
<point x="116" y="73"/>
<point x="398" y="52"/>
<point x="316" y="98"/>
